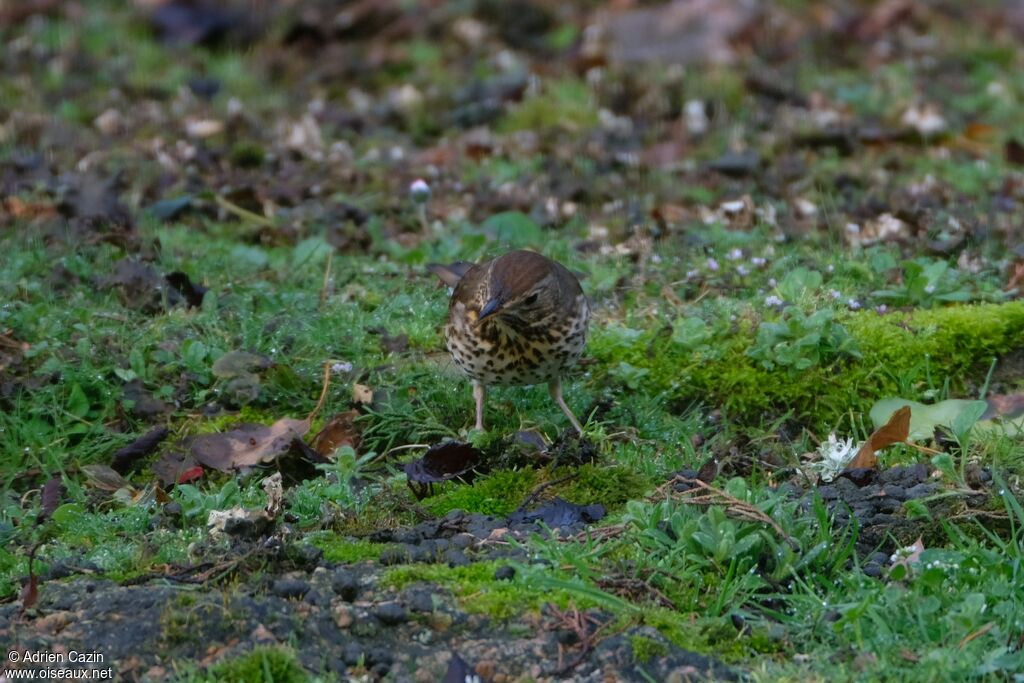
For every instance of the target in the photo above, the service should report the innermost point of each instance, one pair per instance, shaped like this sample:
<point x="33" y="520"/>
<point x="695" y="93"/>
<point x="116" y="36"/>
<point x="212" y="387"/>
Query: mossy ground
<point x="704" y="341"/>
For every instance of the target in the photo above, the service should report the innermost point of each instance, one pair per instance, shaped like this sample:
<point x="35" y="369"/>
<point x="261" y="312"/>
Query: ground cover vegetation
<point x="233" y="447"/>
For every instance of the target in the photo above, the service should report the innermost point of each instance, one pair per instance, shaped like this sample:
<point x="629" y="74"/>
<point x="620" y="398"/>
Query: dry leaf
<point x="275" y="495"/>
<point x="247" y="445"/>
<point x="53" y="492"/>
<point x="362" y="394"/>
<point x="338" y="431"/>
<point x="104" y="477"/>
<point x="892" y="432"/>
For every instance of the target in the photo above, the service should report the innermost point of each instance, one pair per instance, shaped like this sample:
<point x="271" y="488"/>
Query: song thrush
<point x="520" y="318"/>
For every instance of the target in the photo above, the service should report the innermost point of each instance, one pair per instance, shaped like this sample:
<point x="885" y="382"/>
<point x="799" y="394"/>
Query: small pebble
<point x="345" y="584"/>
<point x="290" y="588"/>
<point x="391" y="614"/>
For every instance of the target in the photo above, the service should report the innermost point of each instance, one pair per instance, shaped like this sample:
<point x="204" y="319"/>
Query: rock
<point x="290" y="588"/>
<point x="420" y="601"/>
<point x="873" y="569"/>
<point x="462" y="541"/>
<point x="345" y="584"/>
<point x="391" y="614"/>
<point x="456" y="558"/>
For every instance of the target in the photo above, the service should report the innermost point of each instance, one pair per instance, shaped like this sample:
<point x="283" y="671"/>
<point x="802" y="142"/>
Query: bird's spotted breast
<point x="495" y="353"/>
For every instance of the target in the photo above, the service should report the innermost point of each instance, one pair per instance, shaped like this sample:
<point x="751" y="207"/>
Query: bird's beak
<point x="489" y="309"/>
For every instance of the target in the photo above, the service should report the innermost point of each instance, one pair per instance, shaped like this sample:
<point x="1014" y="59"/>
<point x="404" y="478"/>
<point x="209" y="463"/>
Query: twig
<point x="327" y="278"/>
<point x="245" y="214"/>
<point x="323" y="391"/>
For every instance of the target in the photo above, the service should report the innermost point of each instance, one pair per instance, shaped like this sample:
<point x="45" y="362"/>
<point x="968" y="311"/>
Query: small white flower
<point x="691" y="274"/>
<point x="835" y="454"/>
<point x="773" y="300"/>
<point x="929" y="289"/>
<point x="419" y="190"/>
<point x="741" y="270"/>
<point x="341" y="367"/>
<point x="712" y="264"/>
<point x="881" y="309"/>
<point x="735" y="254"/>
<point x="853" y="304"/>
<point x="835" y="294"/>
<point x="759" y="261"/>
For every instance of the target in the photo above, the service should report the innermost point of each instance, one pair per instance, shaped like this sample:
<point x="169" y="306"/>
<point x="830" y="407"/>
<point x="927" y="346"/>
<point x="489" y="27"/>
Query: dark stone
<point x="873" y="569"/>
<point x="828" y="492"/>
<point x="895" y="491"/>
<point x="406" y="536"/>
<point x="505" y="573"/>
<point x="456" y="558"/>
<point x="420" y="601"/>
<point x="308" y="555"/>
<point x="920" y="491"/>
<point x="290" y="588"/>
<point x="462" y="541"/>
<point x="391" y="614"/>
<point x="860" y="476"/>
<point x="345" y="584"/>
<point x="317" y="598"/>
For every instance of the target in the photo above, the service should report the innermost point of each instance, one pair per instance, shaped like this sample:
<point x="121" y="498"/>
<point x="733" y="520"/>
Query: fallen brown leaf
<point x="340" y="430"/>
<point x="896" y="430"/>
<point x="247" y="445"/>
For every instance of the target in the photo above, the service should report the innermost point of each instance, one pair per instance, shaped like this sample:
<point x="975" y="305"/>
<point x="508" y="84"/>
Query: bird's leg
<point x="479" y="392"/>
<point x="555" y="388"/>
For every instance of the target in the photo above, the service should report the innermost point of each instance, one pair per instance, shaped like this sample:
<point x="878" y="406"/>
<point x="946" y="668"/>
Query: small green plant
<point x="345" y="473"/>
<point x="798" y="341"/>
<point x="926" y="282"/>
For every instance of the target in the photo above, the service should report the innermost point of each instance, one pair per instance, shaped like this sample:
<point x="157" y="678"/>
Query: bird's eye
<point x="530" y="300"/>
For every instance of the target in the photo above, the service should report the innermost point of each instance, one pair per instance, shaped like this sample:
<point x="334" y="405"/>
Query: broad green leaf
<point x="924" y="418"/>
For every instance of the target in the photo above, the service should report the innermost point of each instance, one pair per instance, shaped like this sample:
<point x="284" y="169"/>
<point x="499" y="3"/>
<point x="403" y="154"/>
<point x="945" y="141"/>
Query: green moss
<point x="566" y="104"/>
<point x="346" y="550"/>
<point x="610" y="486"/>
<point x="479" y="592"/>
<point x="497" y="494"/>
<point x="904" y="354"/>
<point x="267" y="664"/>
<point x="645" y="649"/>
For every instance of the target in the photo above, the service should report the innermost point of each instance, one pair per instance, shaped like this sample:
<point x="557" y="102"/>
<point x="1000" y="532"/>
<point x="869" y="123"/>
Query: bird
<point x="519" y="318"/>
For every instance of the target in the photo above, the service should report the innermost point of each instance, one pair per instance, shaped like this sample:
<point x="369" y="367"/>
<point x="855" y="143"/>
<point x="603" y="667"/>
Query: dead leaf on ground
<point x="189" y="291"/>
<point x="443" y="462"/>
<point x="681" y="32"/>
<point x="450" y="274"/>
<point x="892" y="432"/>
<point x="340" y="430"/>
<point x="1013" y="150"/>
<point x="275" y="495"/>
<point x="362" y="394"/>
<point x="104" y="477"/>
<point x="53" y="493"/>
<point x="247" y="445"/>
<point x="123" y="460"/>
<point x="1005" y="406"/>
<point x="238" y="363"/>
